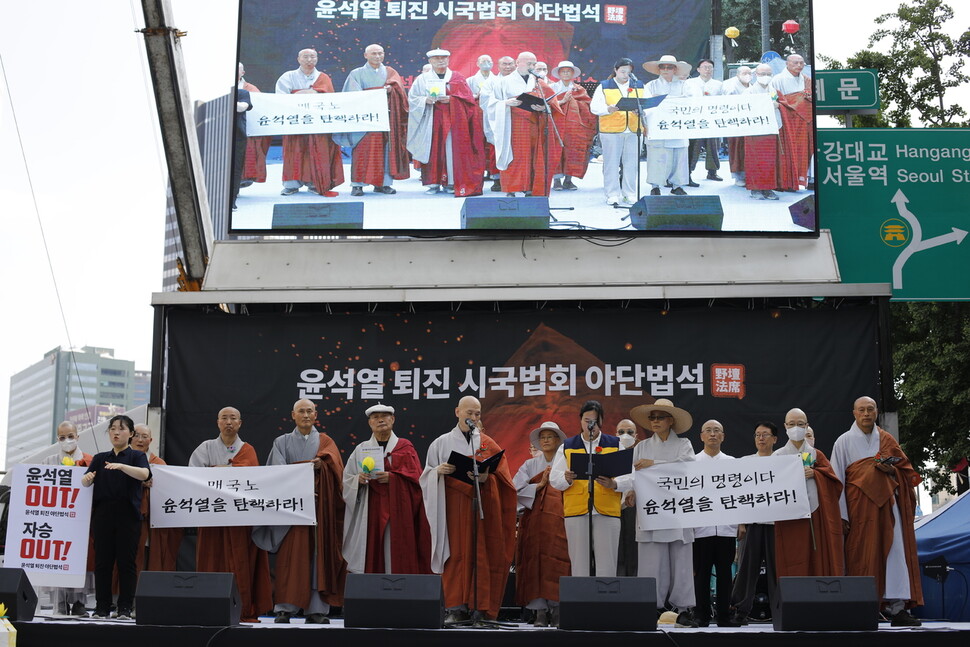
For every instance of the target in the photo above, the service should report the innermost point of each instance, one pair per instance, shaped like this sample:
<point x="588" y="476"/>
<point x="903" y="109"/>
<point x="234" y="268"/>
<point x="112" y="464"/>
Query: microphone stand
<point x="545" y="135"/>
<point x="634" y="79"/>
<point x="478" y="514"/>
<point x="589" y="501"/>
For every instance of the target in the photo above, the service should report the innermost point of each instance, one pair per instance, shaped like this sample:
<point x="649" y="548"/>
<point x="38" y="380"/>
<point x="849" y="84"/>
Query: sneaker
<point x="317" y="619"/>
<point x="357" y="191"/>
<point x="123" y="614"/>
<point x="101" y="613"/>
<point x="433" y="189"/>
<point x="739" y="183"/>
<point x="77" y="609"/>
<point x="678" y="191"/>
<point x="904" y="619"/>
<point x="655" y="190"/>
<point x="685" y="619"/>
<point x="386" y="190"/>
<point x="568" y="185"/>
<point x="613" y="200"/>
<point x="769" y="195"/>
<point x="712" y="175"/>
<point x="289" y="191"/>
<point x="556" y="186"/>
<point x="758" y="195"/>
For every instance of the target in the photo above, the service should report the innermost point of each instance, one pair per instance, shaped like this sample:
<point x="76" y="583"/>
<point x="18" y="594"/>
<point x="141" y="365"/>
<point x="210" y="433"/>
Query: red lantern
<point x="790" y="27"/>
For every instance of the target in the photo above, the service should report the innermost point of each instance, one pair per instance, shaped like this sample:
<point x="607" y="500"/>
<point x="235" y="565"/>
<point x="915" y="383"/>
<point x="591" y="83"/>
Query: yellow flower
<point x="67" y="460"/>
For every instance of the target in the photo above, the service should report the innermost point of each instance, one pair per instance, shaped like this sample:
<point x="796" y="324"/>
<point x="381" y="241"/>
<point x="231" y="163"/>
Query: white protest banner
<point x="754" y="489"/>
<point x="736" y="115"/>
<point x="310" y="114"/>
<point x="47" y="526"/>
<point x="271" y="495"/>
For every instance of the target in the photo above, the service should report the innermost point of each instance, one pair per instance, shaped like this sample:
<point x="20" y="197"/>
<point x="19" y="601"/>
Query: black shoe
<point x="904" y="619"/>
<point x="692" y="184"/>
<point x="497" y="185"/>
<point x="668" y="185"/>
<point x="678" y="191"/>
<point x="556" y="186"/>
<point x="655" y="190"/>
<point x="386" y="190"/>
<point x="728" y="622"/>
<point x="568" y="185"/>
<point x="686" y="619"/>
<point x="769" y="195"/>
<point x="457" y="615"/>
<point x="317" y="619"/>
<point x="283" y="617"/>
<point x="101" y="613"/>
<point x="742" y="620"/>
<point x="702" y="623"/>
<point x="712" y="175"/>
<point x="123" y="614"/>
<point x="77" y="609"/>
<point x="357" y="191"/>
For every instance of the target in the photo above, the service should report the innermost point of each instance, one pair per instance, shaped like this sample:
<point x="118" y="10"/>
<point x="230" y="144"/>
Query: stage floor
<point x="46" y="631"/>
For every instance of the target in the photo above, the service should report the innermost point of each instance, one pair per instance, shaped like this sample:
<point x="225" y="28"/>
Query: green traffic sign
<point x="896" y="201"/>
<point x="841" y="90"/>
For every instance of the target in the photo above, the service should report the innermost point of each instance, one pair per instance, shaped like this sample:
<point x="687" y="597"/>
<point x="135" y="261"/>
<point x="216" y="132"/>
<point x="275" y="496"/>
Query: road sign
<point x="898" y="204"/>
<point x="841" y="90"/>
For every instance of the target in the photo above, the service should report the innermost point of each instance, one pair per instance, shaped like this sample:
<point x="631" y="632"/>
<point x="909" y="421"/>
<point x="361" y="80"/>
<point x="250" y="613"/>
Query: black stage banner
<point x="735" y="365"/>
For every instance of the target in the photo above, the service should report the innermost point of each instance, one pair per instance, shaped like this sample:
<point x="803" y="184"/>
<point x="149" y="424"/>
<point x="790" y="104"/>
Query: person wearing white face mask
<point x="737" y="84"/>
<point x="626" y="562"/>
<point x="70" y="601"/>
<point x="811" y="547"/>
<point x="761" y="152"/>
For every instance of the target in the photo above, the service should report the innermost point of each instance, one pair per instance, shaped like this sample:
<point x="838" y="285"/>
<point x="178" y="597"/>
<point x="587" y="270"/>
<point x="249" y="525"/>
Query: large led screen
<point x="449" y="117"/>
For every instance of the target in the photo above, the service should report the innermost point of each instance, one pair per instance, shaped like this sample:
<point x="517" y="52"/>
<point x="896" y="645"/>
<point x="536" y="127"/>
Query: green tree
<point x="746" y="16"/>
<point x="931" y="360"/>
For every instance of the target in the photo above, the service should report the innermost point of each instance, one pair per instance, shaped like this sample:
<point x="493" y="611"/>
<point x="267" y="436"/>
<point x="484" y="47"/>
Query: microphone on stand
<point x="470" y="424"/>
<point x="589" y="425"/>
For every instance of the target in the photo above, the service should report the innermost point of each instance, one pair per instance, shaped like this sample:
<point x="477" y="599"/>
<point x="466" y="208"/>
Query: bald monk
<point x="310" y="568"/>
<point x="230" y="549"/>
<point x="448" y="503"/>
<point x="810" y="547"/>
<point x="163" y="543"/>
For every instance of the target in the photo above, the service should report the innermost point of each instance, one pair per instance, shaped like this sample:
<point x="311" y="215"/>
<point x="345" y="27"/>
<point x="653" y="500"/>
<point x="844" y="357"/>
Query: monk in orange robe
<point x="163" y="543"/>
<point x="577" y="126"/>
<point x="795" y="101"/>
<point x="456" y="553"/>
<point x="230" y="549"/>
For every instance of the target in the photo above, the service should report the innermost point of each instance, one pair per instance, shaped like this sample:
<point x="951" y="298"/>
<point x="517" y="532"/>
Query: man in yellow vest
<point x="618" y="132"/>
<point x="606" y="497"/>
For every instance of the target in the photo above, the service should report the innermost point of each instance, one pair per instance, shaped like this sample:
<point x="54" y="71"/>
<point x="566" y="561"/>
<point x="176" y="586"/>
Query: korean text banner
<point x="740" y="115"/>
<point x="47" y="526"/>
<point x="272" y="495"/>
<point x="303" y="114"/>
<point x="721" y="493"/>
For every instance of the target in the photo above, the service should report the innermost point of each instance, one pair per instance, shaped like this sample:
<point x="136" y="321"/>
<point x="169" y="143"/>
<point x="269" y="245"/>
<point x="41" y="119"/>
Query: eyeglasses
<point x="667" y="67"/>
<point x="656" y="416"/>
<point x="762" y="436"/>
<point x="142" y="437"/>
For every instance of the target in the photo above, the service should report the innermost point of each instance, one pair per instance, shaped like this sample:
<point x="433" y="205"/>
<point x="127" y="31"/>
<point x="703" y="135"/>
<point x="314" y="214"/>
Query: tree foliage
<point x="931" y="360"/>
<point x="746" y="16"/>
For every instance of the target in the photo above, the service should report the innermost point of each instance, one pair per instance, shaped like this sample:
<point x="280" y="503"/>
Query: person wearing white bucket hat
<point x="577" y="125"/>
<point x="542" y="556"/>
<point x="665" y="555"/>
<point x="667" y="158"/>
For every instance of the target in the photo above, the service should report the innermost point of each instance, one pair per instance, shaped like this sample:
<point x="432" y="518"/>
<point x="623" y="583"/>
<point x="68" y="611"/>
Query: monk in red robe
<point x="811" y="547"/>
<point x="577" y="126"/>
<point x="309" y="160"/>
<point x="310" y="569"/>
<point x="461" y="540"/>
<point x="163" y="543"/>
<point x="254" y="164"/>
<point x="797" y="141"/>
<point x="444" y="130"/>
<point x="230" y="549"/>
<point x="379" y="157"/>
<point x="878" y="508"/>
<point x="385" y="512"/>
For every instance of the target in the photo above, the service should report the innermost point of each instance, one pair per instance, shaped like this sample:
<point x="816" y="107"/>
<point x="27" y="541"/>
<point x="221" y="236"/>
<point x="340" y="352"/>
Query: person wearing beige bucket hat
<point x="543" y="555"/>
<point x="665" y="555"/>
<point x="667" y="158"/>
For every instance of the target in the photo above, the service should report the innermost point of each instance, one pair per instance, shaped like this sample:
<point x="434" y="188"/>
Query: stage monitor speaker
<point x="608" y="603"/>
<point x="319" y="215"/>
<point x="394" y="601"/>
<point x="186" y="598"/>
<point x="505" y="213"/>
<point x="803" y="212"/>
<point x="17" y="594"/>
<point x="678" y="213"/>
<point x="826" y="604"/>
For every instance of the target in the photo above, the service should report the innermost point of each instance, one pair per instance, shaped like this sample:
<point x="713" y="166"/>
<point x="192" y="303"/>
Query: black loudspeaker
<point x="505" y="213"/>
<point x="319" y="215"/>
<point x="17" y="594"/>
<point x="608" y="603"/>
<point x="826" y="604"/>
<point x="803" y="212"/>
<point x="678" y="213"/>
<point x="185" y="598"/>
<point x="394" y="601"/>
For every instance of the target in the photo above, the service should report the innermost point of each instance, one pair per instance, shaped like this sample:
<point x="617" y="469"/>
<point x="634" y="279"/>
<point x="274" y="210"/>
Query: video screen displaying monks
<point x="434" y="117"/>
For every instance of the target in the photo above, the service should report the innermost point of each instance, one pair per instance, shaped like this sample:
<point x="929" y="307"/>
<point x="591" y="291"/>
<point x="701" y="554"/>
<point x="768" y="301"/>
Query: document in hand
<point x="529" y="100"/>
<point x="631" y="103"/>
<point x="613" y="464"/>
<point x="463" y="465"/>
